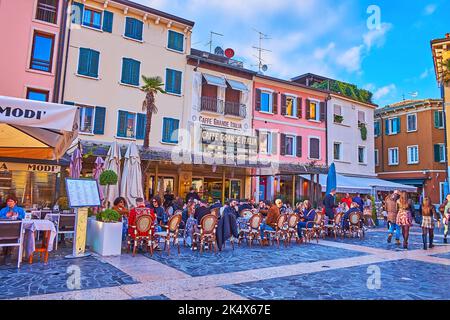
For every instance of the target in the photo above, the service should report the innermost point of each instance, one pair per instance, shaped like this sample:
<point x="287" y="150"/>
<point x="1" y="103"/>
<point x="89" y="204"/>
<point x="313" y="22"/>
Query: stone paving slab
<point x="401" y="279"/>
<point x="245" y="258"/>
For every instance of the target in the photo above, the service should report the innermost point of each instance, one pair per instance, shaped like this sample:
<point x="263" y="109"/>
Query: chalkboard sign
<point x="83" y="193"/>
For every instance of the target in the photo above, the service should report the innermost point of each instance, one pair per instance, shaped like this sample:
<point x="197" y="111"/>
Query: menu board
<point x="82" y="193"/>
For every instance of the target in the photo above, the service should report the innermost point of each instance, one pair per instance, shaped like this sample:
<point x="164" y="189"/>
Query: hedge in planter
<point x="109" y="216"/>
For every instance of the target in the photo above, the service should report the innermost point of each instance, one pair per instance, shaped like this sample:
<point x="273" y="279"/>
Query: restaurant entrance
<point x="210" y="189"/>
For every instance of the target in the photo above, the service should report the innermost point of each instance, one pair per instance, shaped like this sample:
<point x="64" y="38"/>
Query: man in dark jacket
<point x="359" y="201"/>
<point x="330" y="204"/>
<point x="192" y="195"/>
<point x="201" y="211"/>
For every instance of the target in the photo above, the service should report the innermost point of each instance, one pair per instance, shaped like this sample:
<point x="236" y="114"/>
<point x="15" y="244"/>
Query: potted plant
<point x="105" y="233"/>
<point x="363" y="129"/>
<point x="108" y="178"/>
<point x="338" y="118"/>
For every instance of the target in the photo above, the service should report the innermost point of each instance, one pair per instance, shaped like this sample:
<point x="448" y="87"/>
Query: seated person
<point x="12" y="211"/>
<point x="307" y="214"/>
<point x="271" y="220"/>
<point x="140" y="209"/>
<point x="201" y="211"/>
<point x="353" y="208"/>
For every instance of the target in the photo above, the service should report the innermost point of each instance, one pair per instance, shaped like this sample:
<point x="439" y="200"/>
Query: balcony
<point x="210" y="104"/>
<point x="235" y="109"/>
<point x="46" y="11"/>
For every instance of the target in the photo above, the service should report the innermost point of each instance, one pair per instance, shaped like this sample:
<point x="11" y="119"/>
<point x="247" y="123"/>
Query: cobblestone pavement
<point x="330" y="270"/>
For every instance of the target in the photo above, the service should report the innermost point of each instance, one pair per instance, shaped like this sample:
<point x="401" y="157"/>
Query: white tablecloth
<point x="30" y="226"/>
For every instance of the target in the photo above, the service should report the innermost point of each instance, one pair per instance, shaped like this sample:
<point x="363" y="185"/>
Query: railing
<point x="211" y="104"/>
<point x="46" y="12"/>
<point x="235" y="109"/>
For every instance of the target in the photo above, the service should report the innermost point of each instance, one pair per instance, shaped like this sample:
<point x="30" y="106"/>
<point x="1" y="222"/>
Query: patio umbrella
<point x="75" y="164"/>
<point x="331" y="178"/>
<point x="131" y="186"/>
<point x="113" y="163"/>
<point x="99" y="167"/>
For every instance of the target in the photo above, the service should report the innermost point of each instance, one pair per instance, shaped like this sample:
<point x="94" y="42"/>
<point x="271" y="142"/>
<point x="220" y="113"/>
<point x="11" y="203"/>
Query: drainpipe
<point x="60" y="61"/>
<point x="66" y="57"/>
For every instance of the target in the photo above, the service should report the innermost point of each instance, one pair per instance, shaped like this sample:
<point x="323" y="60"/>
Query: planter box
<point x="104" y="238"/>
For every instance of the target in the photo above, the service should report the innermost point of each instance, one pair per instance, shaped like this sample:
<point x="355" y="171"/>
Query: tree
<point x="151" y="87"/>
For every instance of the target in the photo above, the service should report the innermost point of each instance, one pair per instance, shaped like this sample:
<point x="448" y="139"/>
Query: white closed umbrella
<point x="131" y="183"/>
<point x="113" y="163"/>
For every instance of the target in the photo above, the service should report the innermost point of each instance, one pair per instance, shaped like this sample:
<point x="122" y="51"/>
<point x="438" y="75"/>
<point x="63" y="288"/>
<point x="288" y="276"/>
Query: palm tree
<point x="151" y="87"/>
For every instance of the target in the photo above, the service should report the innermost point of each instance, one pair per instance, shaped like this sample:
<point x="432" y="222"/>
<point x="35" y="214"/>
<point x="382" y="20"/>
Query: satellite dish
<point x="229" y="53"/>
<point x="264" y="67"/>
<point x="219" y="51"/>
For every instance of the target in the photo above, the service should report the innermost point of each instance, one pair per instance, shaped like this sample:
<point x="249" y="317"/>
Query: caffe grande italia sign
<point x="220" y="123"/>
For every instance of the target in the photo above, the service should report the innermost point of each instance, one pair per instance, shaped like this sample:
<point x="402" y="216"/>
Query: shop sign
<point x="223" y="138"/>
<point x="30" y="167"/>
<point x="220" y="123"/>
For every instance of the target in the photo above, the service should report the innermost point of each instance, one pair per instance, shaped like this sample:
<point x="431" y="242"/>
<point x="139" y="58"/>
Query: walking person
<point x="428" y="211"/>
<point x="404" y="218"/>
<point x="392" y="211"/>
<point x="445" y="212"/>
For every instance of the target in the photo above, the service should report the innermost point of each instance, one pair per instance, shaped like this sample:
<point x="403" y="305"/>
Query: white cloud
<point x="384" y="91"/>
<point x="377" y="37"/>
<point x="370" y="87"/>
<point x="430" y="9"/>
<point x="321" y="53"/>
<point x="351" y="59"/>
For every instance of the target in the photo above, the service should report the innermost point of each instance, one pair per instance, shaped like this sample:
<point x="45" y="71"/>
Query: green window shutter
<point x="83" y="61"/>
<point x="122" y="124"/>
<point x="99" y="123"/>
<point x="135" y="71"/>
<point x="436" y="119"/>
<point x="175" y="40"/>
<point x="437" y="153"/>
<point x="398" y="125"/>
<point x="169" y="80"/>
<point x="126" y="72"/>
<point x="386" y="127"/>
<point x="108" y="18"/>
<point x="140" y="126"/>
<point x="77" y="12"/>
<point x="93" y="65"/>
<point x="166" y="130"/>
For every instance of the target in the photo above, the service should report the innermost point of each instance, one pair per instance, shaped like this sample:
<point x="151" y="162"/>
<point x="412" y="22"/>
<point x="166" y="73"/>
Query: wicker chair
<point x="253" y="230"/>
<point x="280" y="232"/>
<point x="355" y="227"/>
<point x="216" y="212"/>
<point x="314" y="229"/>
<point x="207" y="233"/>
<point x="171" y="233"/>
<point x="142" y="233"/>
<point x="335" y="226"/>
<point x="246" y="213"/>
<point x="292" y="231"/>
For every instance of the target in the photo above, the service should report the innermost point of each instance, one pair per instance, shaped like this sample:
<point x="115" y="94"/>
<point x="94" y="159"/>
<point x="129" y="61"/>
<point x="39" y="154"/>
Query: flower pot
<point x="104" y="238"/>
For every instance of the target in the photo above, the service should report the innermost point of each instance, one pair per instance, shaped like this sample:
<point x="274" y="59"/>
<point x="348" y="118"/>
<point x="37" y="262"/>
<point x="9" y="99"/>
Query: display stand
<point x="82" y="194"/>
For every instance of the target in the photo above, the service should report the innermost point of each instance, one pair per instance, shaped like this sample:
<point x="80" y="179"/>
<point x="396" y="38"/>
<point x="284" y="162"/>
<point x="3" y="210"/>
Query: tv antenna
<point x="261" y="65"/>
<point x="210" y="43"/>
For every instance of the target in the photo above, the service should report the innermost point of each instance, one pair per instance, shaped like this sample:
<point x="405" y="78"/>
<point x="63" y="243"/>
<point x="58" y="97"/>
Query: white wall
<point x="349" y="135"/>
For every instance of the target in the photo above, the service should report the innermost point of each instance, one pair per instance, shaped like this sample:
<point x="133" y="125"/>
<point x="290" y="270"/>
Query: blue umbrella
<point x="331" y="178"/>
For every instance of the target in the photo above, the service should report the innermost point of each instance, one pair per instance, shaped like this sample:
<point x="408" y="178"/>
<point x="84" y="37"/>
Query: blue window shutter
<point x="175" y="40"/>
<point x="69" y="103"/>
<point x="126" y="70"/>
<point x="166" y="130"/>
<point x="140" y="126"/>
<point x="83" y="61"/>
<point x="175" y="126"/>
<point x="128" y="27"/>
<point x="99" y="123"/>
<point x="437" y="156"/>
<point x="139" y="28"/>
<point x="386" y="127"/>
<point x="93" y="66"/>
<point x="108" y="18"/>
<point x="179" y="41"/>
<point x="77" y="12"/>
<point x="398" y="125"/>
<point x="169" y="83"/>
<point x="135" y="70"/>
<point x="122" y="124"/>
<point x="177" y="82"/>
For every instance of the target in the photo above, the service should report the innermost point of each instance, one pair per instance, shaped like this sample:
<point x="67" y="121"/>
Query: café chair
<point x="11" y="235"/>
<point x="65" y="225"/>
<point x="171" y="233"/>
<point x="142" y="233"/>
<point x="280" y="232"/>
<point x="292" y="231"/>
<point x="253" y="230"/>
<point x="207" y="233"/>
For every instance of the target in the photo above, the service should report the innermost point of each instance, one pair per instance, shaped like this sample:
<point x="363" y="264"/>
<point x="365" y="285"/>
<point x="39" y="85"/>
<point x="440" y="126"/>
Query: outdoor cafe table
<point x="30" y="227"/>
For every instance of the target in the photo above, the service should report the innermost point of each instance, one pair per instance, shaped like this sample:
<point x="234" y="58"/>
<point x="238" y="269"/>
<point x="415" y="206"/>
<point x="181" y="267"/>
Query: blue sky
<point x="328" y="37"/>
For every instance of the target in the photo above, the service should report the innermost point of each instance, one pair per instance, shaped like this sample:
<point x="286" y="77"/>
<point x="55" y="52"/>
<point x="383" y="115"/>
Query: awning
<point x="410" y="182"/>
<point x="237" y="85"/>
<point x="214" y="80"/>
<point x="346" y="184"/>
<point x="36" y="130"/>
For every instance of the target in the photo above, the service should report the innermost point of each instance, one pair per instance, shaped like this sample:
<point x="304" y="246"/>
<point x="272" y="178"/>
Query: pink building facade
<point x="30" y="41"/>
<point x="290" y="122"/>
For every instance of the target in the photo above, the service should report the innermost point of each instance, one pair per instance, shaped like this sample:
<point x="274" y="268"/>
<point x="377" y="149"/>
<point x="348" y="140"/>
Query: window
<point x="361" y="117"/>
<point x="413" y="155"/>
<point x="92" y="18"/>
<point x="266" y="102"/>
<point x="88" y="62"/>
<point x="337" y="110"/>
<point x="377" y="128"/>
<point x="361" y="155"/>
<point x="337" y="151"/>
<point x="291" y="106"/>
<point x="377" y="158"/>
<point x="392" y="126"/>
<point x="38" y="95"/>
<point x="126" y="127"/>
<point x="42" y="52"/>
<point x="439" y="119"/>
<point x="265" y="142"/>
<point x="133" y="29"/>
<point x="130" y="71"/>
<point x="412" y="122"/>
<point x="173" y="81"/>
<point x="47" y="10"/>
<point x="313" y="111"/>
<point x="439" y="153"/>
<point x="176" y="41"/>
<point x="86" y="119"/>
<point x="314" y="148"/>
<point x="393" y="156"/>
<point x="289" y="143"/>
<point x="170" y="130"/>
